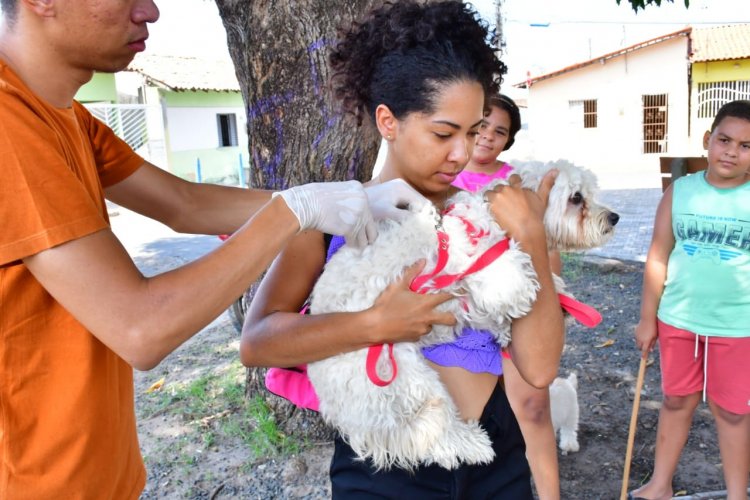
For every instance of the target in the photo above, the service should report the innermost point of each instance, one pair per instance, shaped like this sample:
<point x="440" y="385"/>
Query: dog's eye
<point x="576" y="199"/>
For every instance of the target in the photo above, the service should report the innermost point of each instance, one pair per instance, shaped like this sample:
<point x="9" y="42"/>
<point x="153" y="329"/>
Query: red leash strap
<point x="483" y="261"/>
<point x="373" y="354"/>
<point x="442" y="260"/>
<point x="585" y="314"/>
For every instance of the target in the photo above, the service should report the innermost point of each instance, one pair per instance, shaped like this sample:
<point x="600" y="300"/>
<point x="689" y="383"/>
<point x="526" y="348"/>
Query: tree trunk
<point x="280" y="54"/>
<point x="280" y="50"/>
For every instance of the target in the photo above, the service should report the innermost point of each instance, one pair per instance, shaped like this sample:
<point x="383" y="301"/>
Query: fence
<point x="140" y="125"/>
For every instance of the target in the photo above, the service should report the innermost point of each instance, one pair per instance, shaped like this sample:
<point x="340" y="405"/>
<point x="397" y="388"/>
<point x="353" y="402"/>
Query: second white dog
<point x="563" y="394"/>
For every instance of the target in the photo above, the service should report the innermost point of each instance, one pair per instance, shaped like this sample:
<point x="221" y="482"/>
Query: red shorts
<point x="724" y="370"/>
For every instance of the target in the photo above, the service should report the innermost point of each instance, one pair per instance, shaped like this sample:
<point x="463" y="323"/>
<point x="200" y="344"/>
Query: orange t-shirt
<point x="67" y="418"/>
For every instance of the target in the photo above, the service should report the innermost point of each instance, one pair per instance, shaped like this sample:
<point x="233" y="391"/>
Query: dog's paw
<point x="568" y="443"/>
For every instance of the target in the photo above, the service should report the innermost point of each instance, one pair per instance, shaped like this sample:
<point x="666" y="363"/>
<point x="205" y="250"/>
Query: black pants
<point x="507" y="477"/>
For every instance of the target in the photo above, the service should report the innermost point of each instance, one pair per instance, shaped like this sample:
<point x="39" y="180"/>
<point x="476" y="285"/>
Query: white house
<point x="618" y="113"/>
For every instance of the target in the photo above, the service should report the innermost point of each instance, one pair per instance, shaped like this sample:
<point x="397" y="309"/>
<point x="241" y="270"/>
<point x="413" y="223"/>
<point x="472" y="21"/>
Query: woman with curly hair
<point x="421" y="72"/>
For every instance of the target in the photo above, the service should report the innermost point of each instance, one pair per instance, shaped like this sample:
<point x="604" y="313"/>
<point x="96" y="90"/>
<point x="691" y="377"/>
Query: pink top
<point x="474" y="181"/>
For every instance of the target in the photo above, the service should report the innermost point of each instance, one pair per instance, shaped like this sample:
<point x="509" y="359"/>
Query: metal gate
<point x="140" y="125"/>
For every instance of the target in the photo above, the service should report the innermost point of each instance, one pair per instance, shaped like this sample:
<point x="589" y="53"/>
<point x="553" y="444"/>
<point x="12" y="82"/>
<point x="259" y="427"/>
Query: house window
<point x="655" y="123"/>
<point x="583" y="113"/>
<point x="713" y="95"/>
<point x="227" y="124"/>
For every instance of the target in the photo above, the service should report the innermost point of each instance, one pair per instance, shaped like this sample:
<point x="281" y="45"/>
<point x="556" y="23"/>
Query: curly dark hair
<point x="509" y="105"/>
<point x="402" y="53"/>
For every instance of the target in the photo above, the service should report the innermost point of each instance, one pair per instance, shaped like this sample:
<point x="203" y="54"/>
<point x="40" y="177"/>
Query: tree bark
<point x="280" y="50"/>
<point x="296" y="135"/>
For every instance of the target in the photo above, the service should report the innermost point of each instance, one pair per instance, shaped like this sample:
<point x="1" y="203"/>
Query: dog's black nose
<point x="613" y="218"/>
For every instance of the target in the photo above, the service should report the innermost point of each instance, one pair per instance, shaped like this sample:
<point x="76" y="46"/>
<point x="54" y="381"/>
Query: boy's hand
<point x="646" y="334"/>
<point x="391" y="200"/>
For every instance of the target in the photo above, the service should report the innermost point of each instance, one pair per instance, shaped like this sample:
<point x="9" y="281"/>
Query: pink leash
<point x="585" y="314"/>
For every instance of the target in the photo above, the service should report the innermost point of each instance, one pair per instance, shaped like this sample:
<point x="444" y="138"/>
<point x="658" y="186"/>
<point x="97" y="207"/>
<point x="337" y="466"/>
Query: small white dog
<point x="413" y="420"/>
<point x="563" y="394"/>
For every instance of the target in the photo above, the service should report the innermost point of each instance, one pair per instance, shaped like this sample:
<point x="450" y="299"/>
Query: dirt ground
<point x="202" y="439"/>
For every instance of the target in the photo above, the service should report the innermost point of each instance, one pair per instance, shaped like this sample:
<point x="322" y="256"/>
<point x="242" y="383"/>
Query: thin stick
<point x="631" y="432"/>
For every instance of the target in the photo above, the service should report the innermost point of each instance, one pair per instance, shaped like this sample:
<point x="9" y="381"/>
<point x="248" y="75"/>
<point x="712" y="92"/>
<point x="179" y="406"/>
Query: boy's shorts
<point x="724" y="371"/>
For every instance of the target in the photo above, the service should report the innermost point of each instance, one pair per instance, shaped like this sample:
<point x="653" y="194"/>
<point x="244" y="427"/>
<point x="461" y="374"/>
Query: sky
<point x="541" y="35"/>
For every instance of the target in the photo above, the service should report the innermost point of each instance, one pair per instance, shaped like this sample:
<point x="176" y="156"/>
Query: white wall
<point x="195" y="127"/>
<point x="613" y="149"/>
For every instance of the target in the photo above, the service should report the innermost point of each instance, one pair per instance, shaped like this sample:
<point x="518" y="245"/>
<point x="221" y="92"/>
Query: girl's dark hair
<point x="402" y="53"/>
<point x="504" y="102"/>
<point x="735" y="109"/>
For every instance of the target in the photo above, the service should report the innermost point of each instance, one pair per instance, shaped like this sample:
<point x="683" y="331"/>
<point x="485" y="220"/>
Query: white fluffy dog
<point x="563" y="394"/>
<point x="413" y="420"/>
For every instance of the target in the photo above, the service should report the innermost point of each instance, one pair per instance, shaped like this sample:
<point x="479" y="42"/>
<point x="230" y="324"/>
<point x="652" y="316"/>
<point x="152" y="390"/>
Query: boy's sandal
<point x="631" y="497"/>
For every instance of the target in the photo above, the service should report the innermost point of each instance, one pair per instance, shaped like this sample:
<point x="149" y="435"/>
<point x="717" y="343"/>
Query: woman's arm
<point x="655" y="274"/>
<point x="276" y="334"/>
<point x="538" y="337"/>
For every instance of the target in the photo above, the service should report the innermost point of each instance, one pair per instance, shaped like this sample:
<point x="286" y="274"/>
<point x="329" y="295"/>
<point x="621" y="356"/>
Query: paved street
<point x="154" y="247"/>
<point x="637" y="208"/>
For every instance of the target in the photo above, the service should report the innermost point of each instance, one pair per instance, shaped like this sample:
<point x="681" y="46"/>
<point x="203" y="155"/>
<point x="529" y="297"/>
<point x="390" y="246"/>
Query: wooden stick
<point x="631" y="432"/>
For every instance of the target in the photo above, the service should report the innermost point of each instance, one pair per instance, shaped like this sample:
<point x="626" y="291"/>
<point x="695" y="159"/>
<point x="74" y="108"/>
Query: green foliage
<point x="214" y="406"/>
<point x="642" y="4"/>
<point x="257" y="428"/>
<point x="572" y="266"/>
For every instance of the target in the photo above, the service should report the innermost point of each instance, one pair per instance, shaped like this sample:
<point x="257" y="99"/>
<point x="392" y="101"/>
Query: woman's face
<point x="494" y="134"/>
<point x="429" y="150"/>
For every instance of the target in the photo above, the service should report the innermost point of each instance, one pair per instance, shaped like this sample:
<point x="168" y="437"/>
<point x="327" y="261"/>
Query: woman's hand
<point x="401" y="315"/>
<point x="519" y="211"/>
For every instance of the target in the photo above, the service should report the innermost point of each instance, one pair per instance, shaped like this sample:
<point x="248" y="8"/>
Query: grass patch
<point x="257" y="428"/>
<point x="215" y="407"/>
<point x="572" y="266"/>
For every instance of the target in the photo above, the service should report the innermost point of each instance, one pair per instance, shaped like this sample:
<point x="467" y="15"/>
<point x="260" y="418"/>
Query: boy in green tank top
<point x="696" y="303"/>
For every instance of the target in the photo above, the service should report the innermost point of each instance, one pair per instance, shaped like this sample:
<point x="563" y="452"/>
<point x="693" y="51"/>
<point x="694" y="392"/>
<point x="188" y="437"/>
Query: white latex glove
<point x="390" y="200"/>
<point x="339" y="208"/>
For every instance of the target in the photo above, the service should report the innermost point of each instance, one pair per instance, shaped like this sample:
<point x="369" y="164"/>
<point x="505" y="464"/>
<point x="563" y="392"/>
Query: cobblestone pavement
<point x="637" y="208"/>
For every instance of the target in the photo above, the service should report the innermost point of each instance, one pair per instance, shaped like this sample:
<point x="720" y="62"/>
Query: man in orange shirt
<point x="75" y="312"/>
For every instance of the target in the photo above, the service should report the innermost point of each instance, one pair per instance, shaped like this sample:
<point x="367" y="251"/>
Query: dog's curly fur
<point x="413" y="420"/>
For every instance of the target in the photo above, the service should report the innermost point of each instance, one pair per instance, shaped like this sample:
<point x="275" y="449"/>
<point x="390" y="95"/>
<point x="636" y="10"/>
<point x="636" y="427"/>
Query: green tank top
<point x="707" y="290"/>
